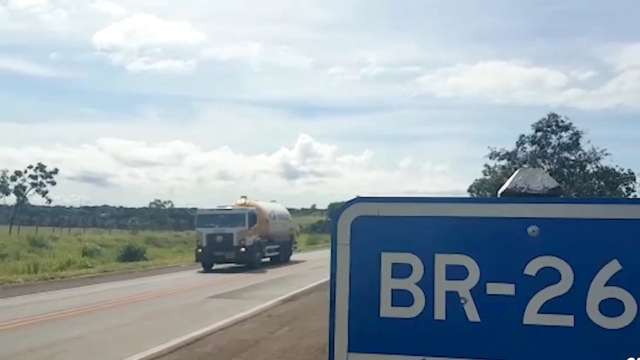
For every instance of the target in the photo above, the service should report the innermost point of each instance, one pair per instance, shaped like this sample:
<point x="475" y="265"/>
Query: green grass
<point x="302" y="220"/>
<point x="48" y="255"/>
<point x="57" y="254"/>
<point x="308" y="242"/>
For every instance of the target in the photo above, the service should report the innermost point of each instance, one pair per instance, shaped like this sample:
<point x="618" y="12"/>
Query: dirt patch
<point x="296" y="330"/>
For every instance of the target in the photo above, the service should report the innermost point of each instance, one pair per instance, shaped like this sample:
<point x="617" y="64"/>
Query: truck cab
<point x="244" y="233"/>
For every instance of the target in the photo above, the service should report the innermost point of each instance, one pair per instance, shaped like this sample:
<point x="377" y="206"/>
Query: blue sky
<point x="302" y="101"/>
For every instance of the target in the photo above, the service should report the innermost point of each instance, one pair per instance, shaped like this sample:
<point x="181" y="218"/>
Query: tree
<point x="333" y="209"/>
<point x="22" y="184"/>
<point x="4" y="184"/>
<point x="160" y="212"/>
<point x="557" y="146"/>
<point x="161" y="204"/>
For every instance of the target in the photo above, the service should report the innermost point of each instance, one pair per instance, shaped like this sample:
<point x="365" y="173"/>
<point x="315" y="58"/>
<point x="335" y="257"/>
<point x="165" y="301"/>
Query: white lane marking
<point x="506" y="289"/>
<point x="198" y="334"/>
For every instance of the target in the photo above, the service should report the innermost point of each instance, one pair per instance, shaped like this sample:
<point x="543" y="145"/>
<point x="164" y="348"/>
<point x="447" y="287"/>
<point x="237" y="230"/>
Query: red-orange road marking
<point x="131" y="299"/>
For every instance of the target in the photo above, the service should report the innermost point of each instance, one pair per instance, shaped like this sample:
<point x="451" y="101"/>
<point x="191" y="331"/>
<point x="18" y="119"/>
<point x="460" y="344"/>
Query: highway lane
<point x="117" y="319"/>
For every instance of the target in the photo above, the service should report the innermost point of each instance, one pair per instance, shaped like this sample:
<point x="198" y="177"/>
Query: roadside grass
<point x="52" y="253"/>
<point x="303" y="220"/>
<point x="308" y="242"/>
<point x="28" y="256"/>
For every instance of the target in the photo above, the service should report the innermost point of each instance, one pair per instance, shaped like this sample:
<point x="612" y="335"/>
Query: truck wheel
<point x="256" y="259"/>
<point x="207" y="266"/>
<point x="286" y="251"/>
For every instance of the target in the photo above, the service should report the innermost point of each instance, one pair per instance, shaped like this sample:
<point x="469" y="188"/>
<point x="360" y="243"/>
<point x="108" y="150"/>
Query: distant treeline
<point x="118" y="217"/>
<point x="106" y="217"/>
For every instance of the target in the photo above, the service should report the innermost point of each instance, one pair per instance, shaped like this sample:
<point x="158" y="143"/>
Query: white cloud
<point x="375" y="70"/>
<point x="29" y="15"/>
<point x="497" y="81"/>
<point x="109" y="7"/>
<point x="623" y="90"/>
<point x="139" y="154"/>
<point x="29" y="5"/>
<point x="146" y="42"/>
<point x="328" y="40"/>
<point x="143" y="30"/>
<point x="625" y="57"/>
<point x="371" y="69"/>
<point x="147" y="63"/>
<point x="286" y="56"/>
<point x="406" y="162"/>
<point x="506" y="82"/>
<point x="135" y="171"/>
<point x="25" y="67"/>
<point x="337" y="71"/>
<point x="257" y="54"/>
<point x="250" y="51"/>
<point x="4" y="15"/>
<point x="583" y="75"/>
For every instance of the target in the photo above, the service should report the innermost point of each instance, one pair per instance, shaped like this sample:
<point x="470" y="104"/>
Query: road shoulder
<point x="296" y="329"/>
<point x="12" y="290"/>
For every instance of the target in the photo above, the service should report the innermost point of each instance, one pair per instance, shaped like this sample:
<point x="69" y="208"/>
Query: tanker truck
<point x="244" y="233"/>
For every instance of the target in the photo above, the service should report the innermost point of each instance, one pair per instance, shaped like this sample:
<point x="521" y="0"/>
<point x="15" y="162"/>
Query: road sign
<point x="416" y="278"/>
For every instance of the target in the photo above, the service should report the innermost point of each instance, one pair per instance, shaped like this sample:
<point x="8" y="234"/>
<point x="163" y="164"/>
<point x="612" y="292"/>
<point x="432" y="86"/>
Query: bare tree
<point x="23" y="184"/>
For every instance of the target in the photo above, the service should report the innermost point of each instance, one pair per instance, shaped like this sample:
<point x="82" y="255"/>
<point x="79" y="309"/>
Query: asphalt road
<point x="117" y="319"/>
<point x="295" y="330"/>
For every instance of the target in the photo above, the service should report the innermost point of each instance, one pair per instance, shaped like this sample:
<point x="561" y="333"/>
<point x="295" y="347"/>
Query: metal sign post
<point x="508" y="278"/>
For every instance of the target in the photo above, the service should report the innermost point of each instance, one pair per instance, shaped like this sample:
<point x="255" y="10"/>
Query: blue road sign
<point x="416" y="278"/>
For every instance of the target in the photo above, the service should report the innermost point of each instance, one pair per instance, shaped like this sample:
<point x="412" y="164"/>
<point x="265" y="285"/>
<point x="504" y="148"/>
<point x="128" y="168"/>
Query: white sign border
<point x="365" y="207"/>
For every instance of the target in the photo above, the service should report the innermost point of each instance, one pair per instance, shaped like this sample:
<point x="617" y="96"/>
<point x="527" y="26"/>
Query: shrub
<point x="132" y="252"/>
<point x="39" y="242"/>
<point x="313" y="240"/>
<point x="318" y="227"/>
<point x="92" y="251"/>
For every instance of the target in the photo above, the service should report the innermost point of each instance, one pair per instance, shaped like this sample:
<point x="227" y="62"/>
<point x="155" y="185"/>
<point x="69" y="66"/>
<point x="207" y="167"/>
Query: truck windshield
<point x="220" y="220"/>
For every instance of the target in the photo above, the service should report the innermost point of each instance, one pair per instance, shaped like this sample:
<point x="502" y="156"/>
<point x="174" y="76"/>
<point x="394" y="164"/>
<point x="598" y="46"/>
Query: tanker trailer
<point x="244" y="233"/>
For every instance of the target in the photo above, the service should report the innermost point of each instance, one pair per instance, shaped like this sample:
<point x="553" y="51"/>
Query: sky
<point x="304" y="102"/>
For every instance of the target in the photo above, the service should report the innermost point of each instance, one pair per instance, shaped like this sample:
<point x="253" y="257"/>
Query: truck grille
<point x="220" y="241"/>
